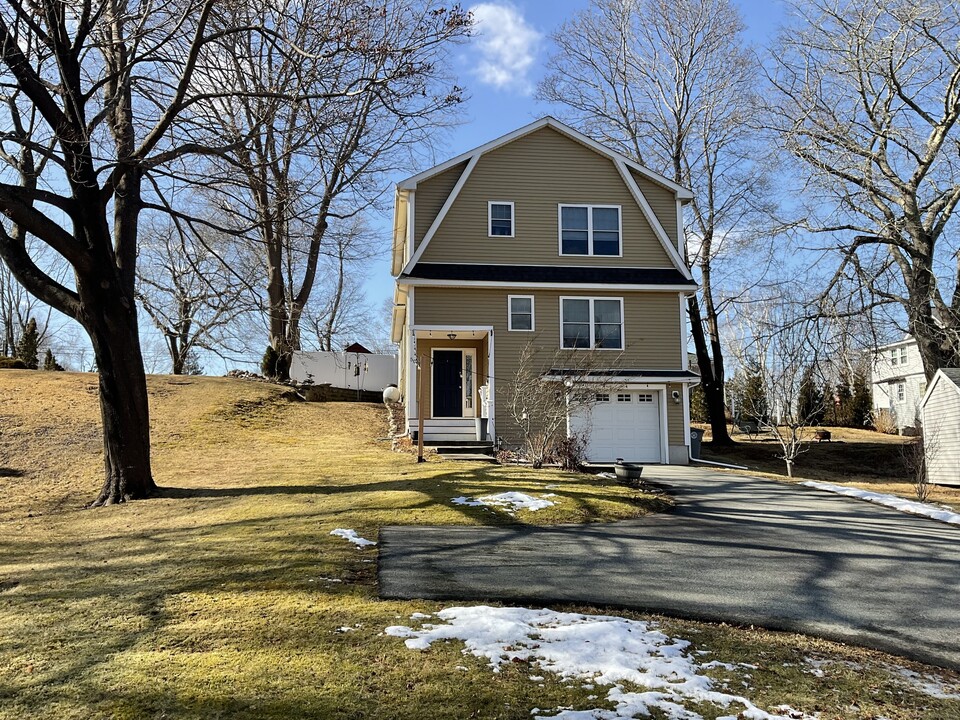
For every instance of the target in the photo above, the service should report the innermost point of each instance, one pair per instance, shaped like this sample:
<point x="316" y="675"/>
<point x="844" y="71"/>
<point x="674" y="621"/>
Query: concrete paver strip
<point x="736" y="549"/>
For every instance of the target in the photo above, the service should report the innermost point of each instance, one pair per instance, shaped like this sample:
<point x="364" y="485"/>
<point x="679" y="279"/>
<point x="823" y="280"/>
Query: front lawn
<point x="229" y="598"/>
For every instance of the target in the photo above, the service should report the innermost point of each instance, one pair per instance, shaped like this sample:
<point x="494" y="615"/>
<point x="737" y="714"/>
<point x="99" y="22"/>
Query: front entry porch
<point x="450" y="381"/>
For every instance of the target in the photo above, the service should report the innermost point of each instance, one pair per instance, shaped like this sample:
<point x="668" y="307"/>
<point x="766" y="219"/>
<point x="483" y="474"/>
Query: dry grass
<point x="858" y="458"/>
<point x="226" y="598"/>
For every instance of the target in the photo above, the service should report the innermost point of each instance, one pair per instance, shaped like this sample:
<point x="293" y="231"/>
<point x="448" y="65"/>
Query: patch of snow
<point x="512" y="501"/>
<point x="607" y="476"/>
<point x="420" y="616"/>
<point x="790" y="712"/>
<point x="929" y="684"/>
<point x="600" y="649"/>
<point x="352" y="536"/>
<point x="344" y="629"/>
<point x="898" y="503"/>
<point x="333" y="580"/>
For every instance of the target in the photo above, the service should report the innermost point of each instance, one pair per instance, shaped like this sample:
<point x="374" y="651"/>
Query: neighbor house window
<point x="893" y="357"/>
<point x="590" y="230"/>
<point x="901" y="392"/>
<point x="591" y="323"/>
<point x="500" y="219"/>
<point x="903" y="356"/>
<point x="521" y="312"/>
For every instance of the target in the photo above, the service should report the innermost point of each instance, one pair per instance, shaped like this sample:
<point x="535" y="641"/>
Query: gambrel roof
<point x="623" y="165"/>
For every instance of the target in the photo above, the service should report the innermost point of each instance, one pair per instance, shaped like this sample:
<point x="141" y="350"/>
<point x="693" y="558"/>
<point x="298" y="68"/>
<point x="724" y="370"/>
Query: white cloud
<point x="507" y="45"/>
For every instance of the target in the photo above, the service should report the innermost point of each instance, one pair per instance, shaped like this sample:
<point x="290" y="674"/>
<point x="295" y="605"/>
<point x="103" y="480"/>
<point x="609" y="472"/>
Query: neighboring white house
<point x="355" y="368"/>
<point x="940" y="410"/>
<point x="898" y="381"/>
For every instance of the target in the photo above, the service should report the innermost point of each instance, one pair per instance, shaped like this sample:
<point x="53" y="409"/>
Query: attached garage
<point x="624" y="424"/>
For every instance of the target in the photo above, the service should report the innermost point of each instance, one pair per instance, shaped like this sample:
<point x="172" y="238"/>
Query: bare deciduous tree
<point x="341" y="312"/>
<point x="370" y="83"/>
<point x="99" y="103"/>
<point x="866" y="98"/>
<point x="783" y="348"/>
<point x="192" y="300"/>
<point x="673" y="85"/>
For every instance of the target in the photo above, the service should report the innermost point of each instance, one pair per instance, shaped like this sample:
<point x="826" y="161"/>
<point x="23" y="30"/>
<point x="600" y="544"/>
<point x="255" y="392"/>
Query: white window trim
<point x="533" y="311"/>
<point x="513" y="218"/>
<point x="590" y="208"/>
<point x="623" y="332"/>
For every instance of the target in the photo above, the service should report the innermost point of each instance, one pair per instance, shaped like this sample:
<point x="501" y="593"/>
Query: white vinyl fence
<point x="353" y="371"/>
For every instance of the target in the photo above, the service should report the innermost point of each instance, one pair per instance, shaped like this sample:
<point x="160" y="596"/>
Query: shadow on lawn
<point x="442" y="487"/>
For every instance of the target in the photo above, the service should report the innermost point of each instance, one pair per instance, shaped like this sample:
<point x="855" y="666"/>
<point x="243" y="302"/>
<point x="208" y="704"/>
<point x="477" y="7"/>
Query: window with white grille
<point x="603" y="397"/>
<point x="645" y="397"/>
<point x="624" y="397"/>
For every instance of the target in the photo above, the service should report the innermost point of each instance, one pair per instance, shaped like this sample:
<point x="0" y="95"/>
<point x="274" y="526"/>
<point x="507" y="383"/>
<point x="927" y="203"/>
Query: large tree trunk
<point x="712" y="385"/>
<point x="111" y="320"/>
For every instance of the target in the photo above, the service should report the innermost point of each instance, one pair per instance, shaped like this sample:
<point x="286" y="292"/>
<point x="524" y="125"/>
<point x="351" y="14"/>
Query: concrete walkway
<point x="736" y="549"/>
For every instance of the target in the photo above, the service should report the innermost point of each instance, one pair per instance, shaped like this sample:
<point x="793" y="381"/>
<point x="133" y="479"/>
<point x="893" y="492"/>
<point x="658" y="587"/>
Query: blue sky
<point x="500" y="72"/>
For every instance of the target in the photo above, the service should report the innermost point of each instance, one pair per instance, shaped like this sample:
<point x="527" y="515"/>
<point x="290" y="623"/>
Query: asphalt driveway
<point x="736" y="549"/>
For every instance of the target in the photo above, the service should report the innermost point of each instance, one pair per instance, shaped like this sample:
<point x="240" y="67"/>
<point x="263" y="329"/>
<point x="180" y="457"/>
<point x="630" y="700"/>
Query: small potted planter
<point x="628" y="473"/>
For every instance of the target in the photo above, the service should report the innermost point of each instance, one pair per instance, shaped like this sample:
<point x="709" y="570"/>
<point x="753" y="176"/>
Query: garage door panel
<point x="627" y="426"/>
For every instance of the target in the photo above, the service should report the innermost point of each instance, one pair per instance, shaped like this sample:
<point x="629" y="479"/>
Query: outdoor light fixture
<point x="676" y="396"/>
<point x="568" y="383"/>
<point x="452" y="336"/>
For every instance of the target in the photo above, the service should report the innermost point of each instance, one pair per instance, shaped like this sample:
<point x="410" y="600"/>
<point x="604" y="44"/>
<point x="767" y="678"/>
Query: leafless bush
<point x="883" y="421"/>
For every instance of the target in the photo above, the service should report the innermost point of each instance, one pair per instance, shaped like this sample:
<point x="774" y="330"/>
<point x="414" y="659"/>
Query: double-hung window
<point x="592" y="323"/>
<point x="499" y="219"/>
<point x="590" y="230"/>
<point x="521" y="312"/>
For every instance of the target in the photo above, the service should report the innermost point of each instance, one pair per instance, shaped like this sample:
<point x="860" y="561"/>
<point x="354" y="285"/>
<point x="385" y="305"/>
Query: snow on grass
<point x="600" y="649"/>
<point x="512" y="501"/>
<point x="898" y="503"/>
<point x="352" y="536"/>
<point x="929" y="684"/>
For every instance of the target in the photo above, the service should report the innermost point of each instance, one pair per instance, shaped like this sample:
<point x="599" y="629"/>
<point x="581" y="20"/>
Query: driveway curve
<point x="735" y="549"/>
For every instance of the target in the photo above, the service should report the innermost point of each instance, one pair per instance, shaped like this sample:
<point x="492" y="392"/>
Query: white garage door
<point x="624" y="425"/>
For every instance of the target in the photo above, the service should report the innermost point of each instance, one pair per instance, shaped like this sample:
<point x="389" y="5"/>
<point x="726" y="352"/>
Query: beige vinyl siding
<point x="941" y="425"/>
<point x="430" y="196"/>
<point x="675" y="434"/>
<point x="537" y="173"/>
<point x="663" y="203"/>
<point x="651" y="329"/>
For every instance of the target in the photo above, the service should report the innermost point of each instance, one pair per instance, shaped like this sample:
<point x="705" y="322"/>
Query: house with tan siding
<point x="940" y="413"/>
<point x="544" y="236"/>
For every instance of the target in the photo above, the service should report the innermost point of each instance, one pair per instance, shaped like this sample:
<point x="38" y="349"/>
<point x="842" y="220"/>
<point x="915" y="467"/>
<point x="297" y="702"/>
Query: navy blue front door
<point x="447" y="383"/>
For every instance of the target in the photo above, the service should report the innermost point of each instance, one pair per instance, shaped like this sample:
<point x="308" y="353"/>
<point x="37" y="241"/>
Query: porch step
<point x="476" y="447"/>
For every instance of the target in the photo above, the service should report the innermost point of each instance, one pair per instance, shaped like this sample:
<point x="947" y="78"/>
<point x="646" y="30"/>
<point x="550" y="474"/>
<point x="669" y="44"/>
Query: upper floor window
<point x="500" y="219"/>
<point x="521" y="312"/>
<point x="893" y="356"/>
<point x="903" y="356"/>
<point x="595" y="323"/>
<point x="901" y="392"/>
<point x="590" y="230"/>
